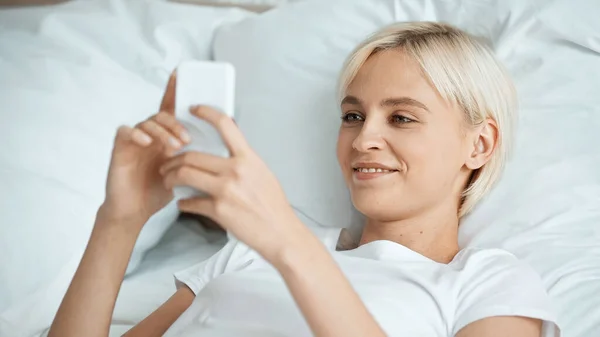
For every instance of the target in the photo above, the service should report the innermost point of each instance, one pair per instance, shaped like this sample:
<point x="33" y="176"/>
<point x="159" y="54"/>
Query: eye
<point x="399" y="119"/>
<point x="352" y="117"/>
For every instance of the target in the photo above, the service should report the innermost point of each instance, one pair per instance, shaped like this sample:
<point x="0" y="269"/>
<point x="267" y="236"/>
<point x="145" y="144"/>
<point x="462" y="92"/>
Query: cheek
<point x="429" y="153"/>
<point x="344" y="148"/>
<point x="412" y="148"/>
<point x="443" y="162"/>
<point x="450" y="144"/>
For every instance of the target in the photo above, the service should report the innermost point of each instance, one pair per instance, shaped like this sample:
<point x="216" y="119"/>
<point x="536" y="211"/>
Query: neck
<point x="431" y="234"/>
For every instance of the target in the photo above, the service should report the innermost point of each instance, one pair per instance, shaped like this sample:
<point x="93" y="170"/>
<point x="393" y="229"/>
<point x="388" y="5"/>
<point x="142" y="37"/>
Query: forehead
<point x="391" y="73"/>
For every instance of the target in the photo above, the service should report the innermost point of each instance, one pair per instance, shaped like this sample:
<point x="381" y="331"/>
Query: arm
<point x="324" y="295"/>
<point x="89" y="302"/>
<point x="86" y="309"/>
<point x="158" y="322"/>
<point x="134" y="192"/>
<point x="501" y="326"/>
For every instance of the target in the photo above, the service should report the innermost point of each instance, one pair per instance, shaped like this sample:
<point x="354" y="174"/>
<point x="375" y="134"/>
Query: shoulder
<point x="488" y="264"/>
<point x="474" y="256"/>
<point x="493" y="282"/>
<point x="485" y="270"/>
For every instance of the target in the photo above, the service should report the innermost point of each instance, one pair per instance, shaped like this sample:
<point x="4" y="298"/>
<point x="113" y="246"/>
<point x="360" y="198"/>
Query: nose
<point x="370" y="138"/>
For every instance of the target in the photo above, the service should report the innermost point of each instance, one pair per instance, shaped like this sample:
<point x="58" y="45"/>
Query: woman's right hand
<point x="134" y="187"/>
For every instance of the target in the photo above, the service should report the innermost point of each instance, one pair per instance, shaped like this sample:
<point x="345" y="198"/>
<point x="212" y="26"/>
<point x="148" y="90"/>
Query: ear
<point x="485" y="141"/>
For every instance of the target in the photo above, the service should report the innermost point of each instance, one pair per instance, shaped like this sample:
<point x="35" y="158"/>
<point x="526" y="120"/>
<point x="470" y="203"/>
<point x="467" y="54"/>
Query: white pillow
<point x="70" y="74"/>
<point x="546" y="209"/>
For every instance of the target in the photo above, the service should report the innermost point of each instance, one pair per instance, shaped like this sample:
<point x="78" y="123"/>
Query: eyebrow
<point x="388" y="102"/>
<point x="351" y="100"/>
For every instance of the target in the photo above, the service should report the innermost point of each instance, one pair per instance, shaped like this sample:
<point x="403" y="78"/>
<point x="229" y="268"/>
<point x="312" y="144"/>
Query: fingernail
<point x="174" y="142"/>
<point x="185" y="136"/>
<point x="145" y="138"/>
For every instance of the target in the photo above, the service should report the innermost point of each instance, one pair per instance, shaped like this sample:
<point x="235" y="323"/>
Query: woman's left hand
<point x="244" y="196"/>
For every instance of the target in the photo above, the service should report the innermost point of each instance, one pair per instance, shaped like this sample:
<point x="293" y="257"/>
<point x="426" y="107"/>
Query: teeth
<point x="372" y="170"/>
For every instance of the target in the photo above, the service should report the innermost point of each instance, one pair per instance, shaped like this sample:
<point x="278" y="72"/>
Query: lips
<point x="371" y="170"/>
<point x="372" y="167"/>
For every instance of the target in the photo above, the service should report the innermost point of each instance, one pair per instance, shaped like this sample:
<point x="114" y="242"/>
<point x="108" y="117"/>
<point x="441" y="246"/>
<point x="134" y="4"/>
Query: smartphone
<point x="205" y="83"/>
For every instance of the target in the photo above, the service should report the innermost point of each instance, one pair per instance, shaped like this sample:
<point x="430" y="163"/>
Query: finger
<point x="170" y="123"/>
<point x="126" y="133"/>
<point x="159" y="133"/>
<point x="231" y="134"/>
<point x="168" y="101"/>
<point x="199" y="160"/>
<point x="189" y="176"/>
<point x="197" y="205"/>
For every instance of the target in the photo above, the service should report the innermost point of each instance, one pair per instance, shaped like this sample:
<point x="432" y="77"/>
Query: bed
<point x="71" y="72"/>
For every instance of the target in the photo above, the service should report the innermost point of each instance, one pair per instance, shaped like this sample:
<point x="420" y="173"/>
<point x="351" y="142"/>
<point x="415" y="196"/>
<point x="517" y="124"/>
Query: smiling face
<point x="402" y="148"/>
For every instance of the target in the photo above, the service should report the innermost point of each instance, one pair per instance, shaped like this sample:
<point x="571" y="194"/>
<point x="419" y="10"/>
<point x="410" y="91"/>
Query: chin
<point x="377" y="207"/>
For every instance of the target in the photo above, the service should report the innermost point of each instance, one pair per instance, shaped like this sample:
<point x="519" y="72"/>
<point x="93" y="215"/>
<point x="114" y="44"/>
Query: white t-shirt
<point x="238" y="293"/>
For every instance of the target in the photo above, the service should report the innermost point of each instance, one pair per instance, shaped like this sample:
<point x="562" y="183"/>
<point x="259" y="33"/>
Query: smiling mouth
<point x="372" y="170"/>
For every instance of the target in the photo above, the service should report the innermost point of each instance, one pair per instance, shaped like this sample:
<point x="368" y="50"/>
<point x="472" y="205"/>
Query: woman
<point x="426" y="123"/>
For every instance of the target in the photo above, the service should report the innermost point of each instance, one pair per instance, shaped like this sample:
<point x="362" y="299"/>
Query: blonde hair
<point x="465" y="72"/>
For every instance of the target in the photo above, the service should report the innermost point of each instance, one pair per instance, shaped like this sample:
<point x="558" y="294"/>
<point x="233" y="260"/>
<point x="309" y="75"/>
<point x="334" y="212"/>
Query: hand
<point x="134" y="188"/>
<point x="243" y="194"/>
